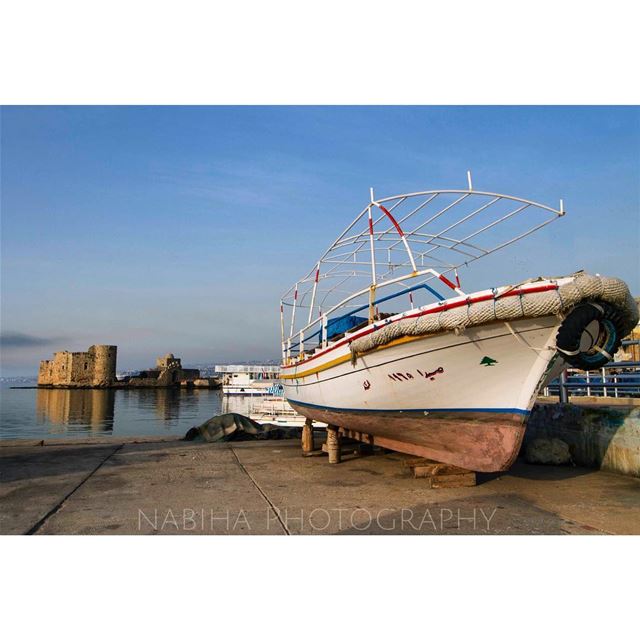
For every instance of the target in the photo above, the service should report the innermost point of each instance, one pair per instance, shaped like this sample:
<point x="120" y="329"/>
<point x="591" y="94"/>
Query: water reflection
<point x="239" y="404"/>
<point x="40" y="413"/>
<point x="92" y="408"/>
<point x="166" y="405"/>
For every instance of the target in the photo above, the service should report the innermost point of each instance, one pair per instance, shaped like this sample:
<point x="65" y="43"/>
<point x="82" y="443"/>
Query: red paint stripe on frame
<point x="447" y="282"/>
<point x="395" y="224"/>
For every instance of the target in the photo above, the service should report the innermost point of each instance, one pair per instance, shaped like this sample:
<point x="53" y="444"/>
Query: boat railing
<point x="288" y="352"/>
<point x="375" y="302"/>
<point x="615" y="380"/>
<point x="263" y="369"/>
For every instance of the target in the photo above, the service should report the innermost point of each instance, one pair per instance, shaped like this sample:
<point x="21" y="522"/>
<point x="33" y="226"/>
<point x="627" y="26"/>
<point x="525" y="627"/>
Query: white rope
<point x="582" y="288"/>
<point x="520" y="339"/>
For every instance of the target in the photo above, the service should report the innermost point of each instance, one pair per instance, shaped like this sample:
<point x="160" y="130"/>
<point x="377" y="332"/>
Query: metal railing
<point x="391" y="236"/>
<point x="614" y="380"/>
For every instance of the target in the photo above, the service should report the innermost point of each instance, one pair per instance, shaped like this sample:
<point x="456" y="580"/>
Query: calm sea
<point x="63" y="413"/>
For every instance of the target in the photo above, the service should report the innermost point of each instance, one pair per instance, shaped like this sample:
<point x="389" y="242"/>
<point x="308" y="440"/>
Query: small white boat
<point x="451" y="378"/>
<point x="241" y="384"/>
<point x="249" y="380"/>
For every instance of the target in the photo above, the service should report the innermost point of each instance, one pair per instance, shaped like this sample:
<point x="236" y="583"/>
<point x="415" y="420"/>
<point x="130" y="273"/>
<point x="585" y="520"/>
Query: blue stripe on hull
<point x="457" y="410"/>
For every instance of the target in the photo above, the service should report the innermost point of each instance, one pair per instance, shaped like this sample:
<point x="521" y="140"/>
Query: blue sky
<point x="177" y="228"/>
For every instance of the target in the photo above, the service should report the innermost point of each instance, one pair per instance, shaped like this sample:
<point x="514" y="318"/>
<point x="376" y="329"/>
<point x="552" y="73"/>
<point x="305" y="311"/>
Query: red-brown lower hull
<point x="473" y="440"/>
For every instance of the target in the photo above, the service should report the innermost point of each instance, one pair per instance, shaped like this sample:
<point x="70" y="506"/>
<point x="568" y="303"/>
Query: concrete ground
<point x="125" y="487"/>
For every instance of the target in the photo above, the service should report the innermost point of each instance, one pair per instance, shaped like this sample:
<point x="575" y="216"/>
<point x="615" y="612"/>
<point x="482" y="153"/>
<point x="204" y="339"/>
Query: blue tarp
<point x="342" y="325"/>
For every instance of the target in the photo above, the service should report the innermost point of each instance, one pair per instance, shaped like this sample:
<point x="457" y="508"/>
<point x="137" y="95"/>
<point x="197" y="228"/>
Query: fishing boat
<point x="380" y="340"/>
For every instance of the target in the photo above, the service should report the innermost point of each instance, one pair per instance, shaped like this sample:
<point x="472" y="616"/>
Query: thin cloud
<point x="16" y="340"/>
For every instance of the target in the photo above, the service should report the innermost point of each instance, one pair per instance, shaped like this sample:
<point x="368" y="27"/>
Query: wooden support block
<point x="453" y="481"/>
<point x="420" y="462"/>
<point x="333" y="444"/>
<point x="441" y="475"/>
<point x="308" y="444"/>
<point x="427" y="470"/>
<point x="365" y="438"/>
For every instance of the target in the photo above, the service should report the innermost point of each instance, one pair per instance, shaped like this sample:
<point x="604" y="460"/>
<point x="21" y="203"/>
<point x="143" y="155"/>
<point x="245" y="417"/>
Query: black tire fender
<point x="590" y="335"/>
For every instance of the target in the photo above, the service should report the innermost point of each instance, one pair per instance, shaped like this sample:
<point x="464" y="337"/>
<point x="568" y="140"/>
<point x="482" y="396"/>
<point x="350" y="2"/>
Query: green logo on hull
<point x="488" y="362"/>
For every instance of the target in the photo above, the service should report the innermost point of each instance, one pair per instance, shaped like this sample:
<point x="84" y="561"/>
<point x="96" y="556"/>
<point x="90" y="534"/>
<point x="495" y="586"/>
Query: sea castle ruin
<point x="167" y="372"/>
<point x="96" y="369"/>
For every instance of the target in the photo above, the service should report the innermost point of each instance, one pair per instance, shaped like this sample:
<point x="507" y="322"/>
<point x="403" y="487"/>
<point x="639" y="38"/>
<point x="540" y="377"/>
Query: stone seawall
<point x="603" y="437"/>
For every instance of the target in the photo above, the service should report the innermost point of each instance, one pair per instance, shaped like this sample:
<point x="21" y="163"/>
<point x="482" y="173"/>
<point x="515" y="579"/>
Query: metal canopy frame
<point x="406" y="241"/>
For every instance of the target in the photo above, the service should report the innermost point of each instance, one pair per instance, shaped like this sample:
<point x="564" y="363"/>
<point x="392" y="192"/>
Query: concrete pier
<point x="150" y="486"/>
<point x="601" y="433"/>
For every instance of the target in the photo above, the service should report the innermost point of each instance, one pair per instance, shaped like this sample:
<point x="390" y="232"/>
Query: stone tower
<point x="167" y="361"/>
<point x="104" y="369"/>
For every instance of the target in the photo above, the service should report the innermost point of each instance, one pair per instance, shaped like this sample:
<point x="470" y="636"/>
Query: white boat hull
<point x="461" y="399"/>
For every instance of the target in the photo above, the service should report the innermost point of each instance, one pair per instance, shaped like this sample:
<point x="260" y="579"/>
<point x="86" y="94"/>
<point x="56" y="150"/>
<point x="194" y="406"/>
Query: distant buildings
<point x="631" y="351"/>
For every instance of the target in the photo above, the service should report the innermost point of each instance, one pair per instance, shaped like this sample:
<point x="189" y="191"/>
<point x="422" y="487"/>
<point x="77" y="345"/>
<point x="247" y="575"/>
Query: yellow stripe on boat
<point x="336" y="361"/>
